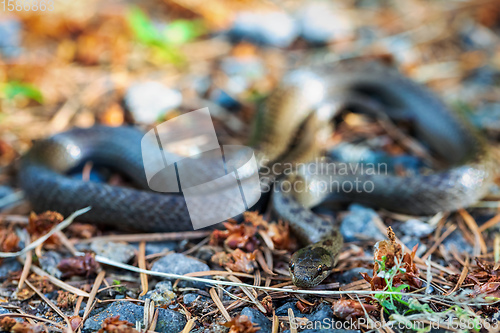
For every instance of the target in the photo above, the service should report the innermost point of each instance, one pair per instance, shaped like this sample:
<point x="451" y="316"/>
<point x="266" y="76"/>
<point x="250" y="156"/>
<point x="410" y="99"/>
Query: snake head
<point x="310" y="266"/>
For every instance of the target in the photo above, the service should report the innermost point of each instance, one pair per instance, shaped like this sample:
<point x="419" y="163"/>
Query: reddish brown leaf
<point x="241" y="324"/>
<point x="115" y="325"/>
<point x="79" y="266"/>
<point x="237" y="260"/>
<point x="349" y="309"/>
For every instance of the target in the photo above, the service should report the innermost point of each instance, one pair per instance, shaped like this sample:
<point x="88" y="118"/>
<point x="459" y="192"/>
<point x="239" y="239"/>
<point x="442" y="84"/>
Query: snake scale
<point x="288" y="123"/>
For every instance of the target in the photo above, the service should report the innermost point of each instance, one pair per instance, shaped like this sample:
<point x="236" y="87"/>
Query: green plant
<point x="12" y="89"/>
<point x="388" y="301"/>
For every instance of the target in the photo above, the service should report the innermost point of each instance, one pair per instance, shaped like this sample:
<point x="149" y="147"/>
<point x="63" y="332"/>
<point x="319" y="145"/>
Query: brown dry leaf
<point x="42" y="223"/>
<point x="236" y="236"/>
<point x="8" y="324"/>
<point x="489" y="289"/>
<point x="113" y="116"/>
<point x="40" y="282"/>
<point x="115" y="325"/>
<point x="237" y="261"/>
<point x="241" y="324"/>
<point x="7" y="153"/>
<point x="9" y="241"/>
<point x="392" y="251"/>
<point x="65" y="299"/>
<point x="82" y="230"/>
<point x="280" y="234"/>
<point x="349" y="309"/>
<point x="80" y="266"/>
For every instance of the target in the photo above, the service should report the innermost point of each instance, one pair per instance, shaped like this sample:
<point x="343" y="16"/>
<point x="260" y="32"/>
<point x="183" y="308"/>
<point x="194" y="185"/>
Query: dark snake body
<point x="287" y="115"/>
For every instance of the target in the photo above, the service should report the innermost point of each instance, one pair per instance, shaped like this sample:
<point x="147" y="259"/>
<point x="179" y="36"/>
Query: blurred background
<point x="114" y="62"/>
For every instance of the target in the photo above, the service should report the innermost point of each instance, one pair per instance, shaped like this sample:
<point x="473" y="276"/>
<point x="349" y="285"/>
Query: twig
<point x="52" y="305"/>
<point x="141" y="262"/>
<point x="219" y="304"/>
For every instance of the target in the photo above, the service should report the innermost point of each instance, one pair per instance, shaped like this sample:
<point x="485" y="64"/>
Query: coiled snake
<point x="287" y="127"/>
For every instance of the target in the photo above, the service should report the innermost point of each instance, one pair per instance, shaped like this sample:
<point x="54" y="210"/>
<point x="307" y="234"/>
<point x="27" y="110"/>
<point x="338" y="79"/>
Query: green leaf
<point x="142" y="27"/>
<point x="182" y="31"/>
<point x="15" y="88"/>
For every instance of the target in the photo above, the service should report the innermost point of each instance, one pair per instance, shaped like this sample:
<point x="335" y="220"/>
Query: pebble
<point x="321" y="312"/>
<point x="169" y="321"/>
<point x="359" y="223"/>
<point x="267" y="28"/>
<point x="352" y="275"/>
<point x="10" y="37"/>
<point x="157" y="247"/>
<point x="9" y="265"/>
<point x="177" y="263"/>
<point x="319" y="23"/>
<point x="189" y="298"/>
<point x="162" y="294"/>
<point x="49" y="262"/>
<point x="148" y="101"/>
<point x="258" y="318"/>
<point x="416" y="228"/>
<point x="120" y="252"/>
<point x="457" y="240"/>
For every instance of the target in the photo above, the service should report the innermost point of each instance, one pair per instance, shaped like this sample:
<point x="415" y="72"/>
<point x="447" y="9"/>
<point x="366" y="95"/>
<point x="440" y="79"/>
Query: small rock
<point x="177" y="263"/>
<point x="10" y="37"/>
<point x="283" y="310"/>
<point x="457" y="240"/>
<point x="225" y="100"/>
<point x="162" y="294"/>
<point x="147" y="101"/>
<point x="258" y="318"/>
<point x="168" y="320"/>
<point x="121" y="252"/>
<point x="49" y="262"/>
<point x="358" y="224"/>
<point x="9" y="265"/>
<point x="322" y="311"/>
<point x="267" y="28"/>
<point x="189" y="298"/>
<point x="157" y="247"/>
<point x="416" y="228"/>
<point x="319" y="23"/>
<point x="352" y="275"/>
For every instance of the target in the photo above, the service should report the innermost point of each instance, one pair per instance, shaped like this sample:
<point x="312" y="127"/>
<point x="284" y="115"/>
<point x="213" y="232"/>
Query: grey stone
<point x="177" y="263"/>
<point x="267" y="28"/>
<point x="319" y="23"/>
<point x="258" y="318"/>
<point x="49" y="262"/>
<point x="121" y="252"/>
<point x="9" y="265"/>
<point x="359" y="224"/>
<point x="162" y="294"/>
<point x="189" y="298"/>
<point x="157" y="247"/>
<point x="457" y="240"/>
<point x="147" y="101"/>
<point x="168" y="321"/>
<point x="416" y="228"/>
<point x="352" y="275"/>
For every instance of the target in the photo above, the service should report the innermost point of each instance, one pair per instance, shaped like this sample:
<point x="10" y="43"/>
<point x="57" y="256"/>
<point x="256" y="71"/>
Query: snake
<point x="286" y="130"/>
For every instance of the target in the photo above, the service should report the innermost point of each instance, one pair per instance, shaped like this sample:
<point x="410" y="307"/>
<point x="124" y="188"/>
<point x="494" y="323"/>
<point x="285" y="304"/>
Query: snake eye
<point x="291" y="266"/>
